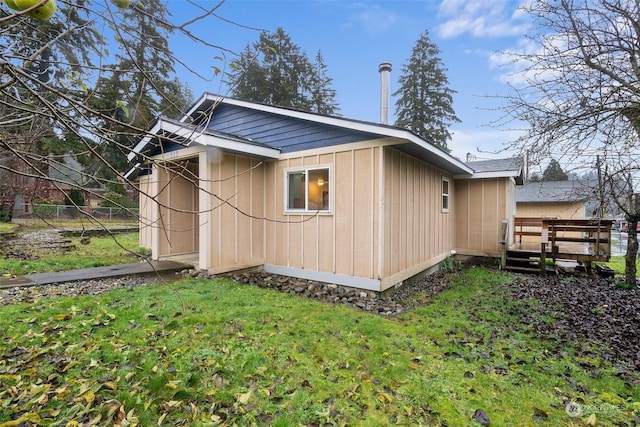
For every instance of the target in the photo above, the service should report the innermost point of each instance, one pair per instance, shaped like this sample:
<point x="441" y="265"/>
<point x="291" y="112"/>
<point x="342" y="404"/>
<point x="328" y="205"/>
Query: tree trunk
<point x="632" y="252"/>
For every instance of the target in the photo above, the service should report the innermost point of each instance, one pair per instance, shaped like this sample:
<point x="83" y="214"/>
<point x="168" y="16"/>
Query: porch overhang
<point x="167" y="132"/>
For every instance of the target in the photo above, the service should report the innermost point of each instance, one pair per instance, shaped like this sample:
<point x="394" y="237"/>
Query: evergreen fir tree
<point x="322" y="95"/>
<point x="425" y="103"/>
<point x="554" y="172"/>
<point x="141" y="85"/>
<point x="275" y="71"/>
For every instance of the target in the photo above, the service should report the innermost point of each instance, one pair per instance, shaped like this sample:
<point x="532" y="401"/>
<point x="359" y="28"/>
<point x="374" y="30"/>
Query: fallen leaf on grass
<point x="539" y="415"/>
<point x="88" y="396"/>
<point x="31" y="418"/>
<point x="481" y="417"/>
<point x="243" y="398"/>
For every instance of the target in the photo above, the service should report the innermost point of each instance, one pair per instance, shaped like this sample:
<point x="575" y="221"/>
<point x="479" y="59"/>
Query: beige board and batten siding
<point x="417" y="231"/>
<point x="218" y="215"/>
<point x="146" y="204"/>
<point x="385" y="222"/>
<point x="480" y="207"/>
<point x="163" y="229"/>
<point x="178" y="207"/>
<point x="564" y="210"/>
<point x="235" y="219"/>
<point x="340" y="242"/>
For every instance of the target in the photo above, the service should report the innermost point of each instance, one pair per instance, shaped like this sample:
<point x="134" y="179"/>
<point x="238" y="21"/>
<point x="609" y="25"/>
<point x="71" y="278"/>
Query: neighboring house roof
<point x="557" y="191"/>
<point x="66" y="170"/>
<point x="266" y="131"/>
<point x="510" y="167"/>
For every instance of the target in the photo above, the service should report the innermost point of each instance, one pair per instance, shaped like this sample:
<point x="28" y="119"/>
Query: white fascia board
<point x="132" y="170"/>
<point x="496" y="174"/>
<point x="196" y="106"/>
<point x="144" y="141"/>
<point x="383" y="130"/>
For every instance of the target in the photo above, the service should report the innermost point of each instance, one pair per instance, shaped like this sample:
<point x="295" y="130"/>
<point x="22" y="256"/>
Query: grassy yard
<point x="6" y="227"/>
<point x="218" y="353"/>
<point x="618" y="264"/>
<point x="101" y="251"/>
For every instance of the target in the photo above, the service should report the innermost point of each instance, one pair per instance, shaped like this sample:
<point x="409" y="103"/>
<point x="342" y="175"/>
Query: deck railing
<point x="584" y="240"/>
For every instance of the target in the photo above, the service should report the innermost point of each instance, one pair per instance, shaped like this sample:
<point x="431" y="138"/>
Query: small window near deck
<point x="308" y="190"/>
<point x="445" y="195"/>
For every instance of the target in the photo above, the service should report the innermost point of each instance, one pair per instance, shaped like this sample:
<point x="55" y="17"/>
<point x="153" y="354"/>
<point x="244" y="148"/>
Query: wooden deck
<point x="536" y="240"/>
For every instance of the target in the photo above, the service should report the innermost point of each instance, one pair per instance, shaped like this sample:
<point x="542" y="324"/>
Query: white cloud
<point x="515" y="65"/>
<point x="480" y="18"/>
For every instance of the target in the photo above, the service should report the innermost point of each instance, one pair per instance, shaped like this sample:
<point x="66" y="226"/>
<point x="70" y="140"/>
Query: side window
<point x="445" y="195"/>
<point x="308" y="189"/>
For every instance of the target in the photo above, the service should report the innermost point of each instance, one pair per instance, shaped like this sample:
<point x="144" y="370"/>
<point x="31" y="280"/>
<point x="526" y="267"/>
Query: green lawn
<point x="212" y="352"/>
<point x="617" y="263"/>
<point x="6" y="227"/>
<point x="101" y="251"/>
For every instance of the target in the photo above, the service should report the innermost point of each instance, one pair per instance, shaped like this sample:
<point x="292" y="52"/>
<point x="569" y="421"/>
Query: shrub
<point x="111" y="199"/>
<point x="44" y="211"/>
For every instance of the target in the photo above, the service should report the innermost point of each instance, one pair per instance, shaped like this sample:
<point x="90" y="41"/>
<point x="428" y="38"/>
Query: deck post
<point x="544" y="239"/>
<point x="504" y="243"/>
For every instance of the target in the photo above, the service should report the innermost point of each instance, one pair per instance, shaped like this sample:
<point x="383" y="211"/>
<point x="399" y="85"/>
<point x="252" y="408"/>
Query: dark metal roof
<point x="289" y="130"/>
<point x="281" y="132"/>
<point x="270" y="130"/>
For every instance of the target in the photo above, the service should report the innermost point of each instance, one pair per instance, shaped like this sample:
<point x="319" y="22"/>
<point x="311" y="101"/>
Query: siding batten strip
<point x="219" y="192"/>
<point x="285" y="195"/>
<point x="482" y="211"/>
<point x="335" y="214"/>
<point x="381" y="214"/>
<point x="235" y="211"/>
<point x="317" y="260"/>
<point x="372" y="229"/>
<point x="353" y="211"/>
<point x="251" y="213"/>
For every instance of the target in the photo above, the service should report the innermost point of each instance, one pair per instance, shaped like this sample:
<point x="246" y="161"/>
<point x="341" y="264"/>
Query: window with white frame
<point x="308" y="189"/>
<point x="445" y="194"/>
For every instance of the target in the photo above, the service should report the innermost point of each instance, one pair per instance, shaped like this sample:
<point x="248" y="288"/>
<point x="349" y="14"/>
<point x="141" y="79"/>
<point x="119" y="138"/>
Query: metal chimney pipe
<point x="385" y="70"/>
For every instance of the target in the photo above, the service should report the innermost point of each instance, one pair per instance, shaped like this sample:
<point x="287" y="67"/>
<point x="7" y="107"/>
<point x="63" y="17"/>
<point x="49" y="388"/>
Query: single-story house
<point x="576" y="199"/>
<point x="237" y="184"/>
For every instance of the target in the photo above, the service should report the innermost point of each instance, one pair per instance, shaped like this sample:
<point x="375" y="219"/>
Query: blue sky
<point x="355" y="36"/>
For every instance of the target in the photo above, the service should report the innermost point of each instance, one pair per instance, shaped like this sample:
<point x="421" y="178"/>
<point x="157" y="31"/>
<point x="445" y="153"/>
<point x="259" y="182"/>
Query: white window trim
<point x="447" y="195"/>
<point x="306" y="170"/>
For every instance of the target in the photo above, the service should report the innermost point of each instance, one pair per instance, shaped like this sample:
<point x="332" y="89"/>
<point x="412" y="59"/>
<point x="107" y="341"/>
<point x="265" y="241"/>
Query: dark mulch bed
<point x="591" y="313"/>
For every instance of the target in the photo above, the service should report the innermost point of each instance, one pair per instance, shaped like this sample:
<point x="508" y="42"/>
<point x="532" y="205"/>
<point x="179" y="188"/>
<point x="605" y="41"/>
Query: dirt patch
<point x="32" y="244"/>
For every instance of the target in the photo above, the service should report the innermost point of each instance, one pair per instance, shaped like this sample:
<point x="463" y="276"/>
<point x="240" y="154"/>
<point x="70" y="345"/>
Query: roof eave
<point x="192" y="134"/>
<point x="456" y="166"/>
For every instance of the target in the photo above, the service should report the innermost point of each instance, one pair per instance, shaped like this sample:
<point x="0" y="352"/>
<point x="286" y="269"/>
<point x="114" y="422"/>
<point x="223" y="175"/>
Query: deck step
<point x="523" y="259"/>
<point x="523" y="269"/>
<point x="523" y="254"/>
